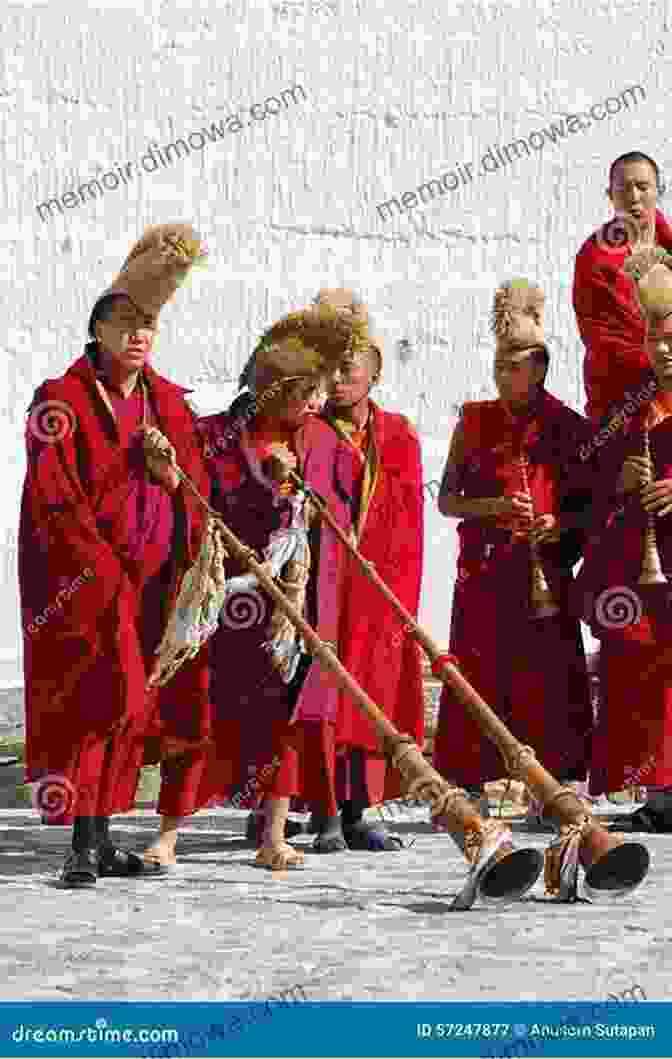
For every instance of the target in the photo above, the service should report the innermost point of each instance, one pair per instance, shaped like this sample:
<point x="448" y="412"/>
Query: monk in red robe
<point x="106" y="533"/>
<point x="506" y="478"/>
<point x="275" y="706"/>
<point x="387" y="510"/>
<point x="616" y="364"/>
<point x="633" y="737"/>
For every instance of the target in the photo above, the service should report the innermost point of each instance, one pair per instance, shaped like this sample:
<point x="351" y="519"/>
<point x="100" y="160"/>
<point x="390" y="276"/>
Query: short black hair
<point x="637" y="156"/>
<point x="102" y="310"/>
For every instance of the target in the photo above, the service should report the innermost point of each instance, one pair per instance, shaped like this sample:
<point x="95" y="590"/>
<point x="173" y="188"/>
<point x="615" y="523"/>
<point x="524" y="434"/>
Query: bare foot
<point x="160" y="855"/>
<point x="279" y="856"/>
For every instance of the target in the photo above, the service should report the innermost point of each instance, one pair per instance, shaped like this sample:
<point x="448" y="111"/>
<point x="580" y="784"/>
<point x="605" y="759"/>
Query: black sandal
<point x="115" y="862"/>
<point x="80" y="869"/>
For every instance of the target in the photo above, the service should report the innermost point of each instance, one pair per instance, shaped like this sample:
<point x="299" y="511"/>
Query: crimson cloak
<point x="86" y="669"/>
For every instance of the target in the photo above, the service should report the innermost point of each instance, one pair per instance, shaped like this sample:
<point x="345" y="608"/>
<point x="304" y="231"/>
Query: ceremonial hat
<point x="517" y="319"/>
<point x="306" y="345"/>
<point x="157" y="265"/>
<point x="346" y="300"/>
<point x="651" y="272"/>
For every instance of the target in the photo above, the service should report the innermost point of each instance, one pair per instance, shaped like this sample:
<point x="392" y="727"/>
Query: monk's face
<point x="659" y="348"/>
<point x="350" y="383"/>
<point x="126" y="335"/>
<point x="517" y="376"/>
<point x="633" y="190"/>
<point x="296" y="402"/>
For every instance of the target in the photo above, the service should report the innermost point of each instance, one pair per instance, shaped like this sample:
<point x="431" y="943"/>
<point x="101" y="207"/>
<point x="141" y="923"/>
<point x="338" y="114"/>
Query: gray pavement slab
<point x="352" y="926"/>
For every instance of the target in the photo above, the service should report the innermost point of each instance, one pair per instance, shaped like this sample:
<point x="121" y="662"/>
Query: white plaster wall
<point x="397" y="93"/>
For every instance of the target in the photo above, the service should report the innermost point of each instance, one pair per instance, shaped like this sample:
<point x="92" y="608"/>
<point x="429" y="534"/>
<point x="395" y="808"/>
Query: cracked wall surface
<point x="395" y="95"/>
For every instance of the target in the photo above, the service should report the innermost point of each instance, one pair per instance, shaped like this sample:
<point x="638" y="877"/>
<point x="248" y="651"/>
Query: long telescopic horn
<point x="613" y="866"/>
<point x="499" y="873"/>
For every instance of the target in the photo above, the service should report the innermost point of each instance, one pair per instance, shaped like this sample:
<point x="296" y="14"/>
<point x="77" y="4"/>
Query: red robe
<point x="632" y="743"/>
<point x="257" y="716"/>
<point x="374" y="649"/>
<point x="96" y="579"/>
<point x="531" y="673"/>
<point x="610" y="322"/>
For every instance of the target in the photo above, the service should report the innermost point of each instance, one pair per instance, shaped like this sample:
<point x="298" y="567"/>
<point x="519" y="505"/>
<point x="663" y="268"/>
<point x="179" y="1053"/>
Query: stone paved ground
<point x="352" y="926"/>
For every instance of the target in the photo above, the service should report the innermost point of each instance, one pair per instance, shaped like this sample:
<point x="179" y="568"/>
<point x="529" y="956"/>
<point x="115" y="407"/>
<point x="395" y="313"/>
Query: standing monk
<point x="607" y="315"/>
<point x="275" y="706"/>
<point x="387" y="511"/>
<point x="633" y="738"/>
<point x="106" y="533"/>
<point x="531" y="670"/>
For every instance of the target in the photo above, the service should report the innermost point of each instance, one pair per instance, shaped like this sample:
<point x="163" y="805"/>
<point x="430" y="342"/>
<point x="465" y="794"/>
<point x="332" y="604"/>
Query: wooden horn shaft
<point x="563" y="805"/>
<point x="424" y="781"/>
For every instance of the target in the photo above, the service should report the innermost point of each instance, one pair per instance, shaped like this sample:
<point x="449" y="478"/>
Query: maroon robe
<point x="102" y="550"/>
<point x="374" y="648"/>
<point x="257" y="716"/>
<point x="532" y="673"/>
<point x="633" y="736"/>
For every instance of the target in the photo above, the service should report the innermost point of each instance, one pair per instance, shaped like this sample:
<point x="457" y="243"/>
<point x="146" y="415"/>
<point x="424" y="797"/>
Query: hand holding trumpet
<point x="656" y="496"/>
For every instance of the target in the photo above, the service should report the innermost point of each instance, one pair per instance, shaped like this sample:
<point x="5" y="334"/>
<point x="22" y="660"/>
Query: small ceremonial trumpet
<point x="652" y="568"/>
<point x="541" y="598"/>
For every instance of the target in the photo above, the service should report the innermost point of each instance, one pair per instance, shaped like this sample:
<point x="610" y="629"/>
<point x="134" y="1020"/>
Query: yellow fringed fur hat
<point x="157" y="265"/>
<point x="651" y="272"/>
<point x="517" y="318"/>
<point x="343" y="299"/>
<point x="306" y="344"/>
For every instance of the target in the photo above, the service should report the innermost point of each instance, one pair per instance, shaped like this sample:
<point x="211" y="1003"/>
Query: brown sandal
<point x="279" y="858"/>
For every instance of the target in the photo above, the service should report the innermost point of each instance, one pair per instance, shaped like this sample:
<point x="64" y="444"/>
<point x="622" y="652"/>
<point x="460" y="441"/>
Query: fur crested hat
<point x="157" y="265"/>
<point x="347" y="300"/>
<point x="307" y="344"/>
<point x="651" y="272"/>
<point x="517" y="319"/>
